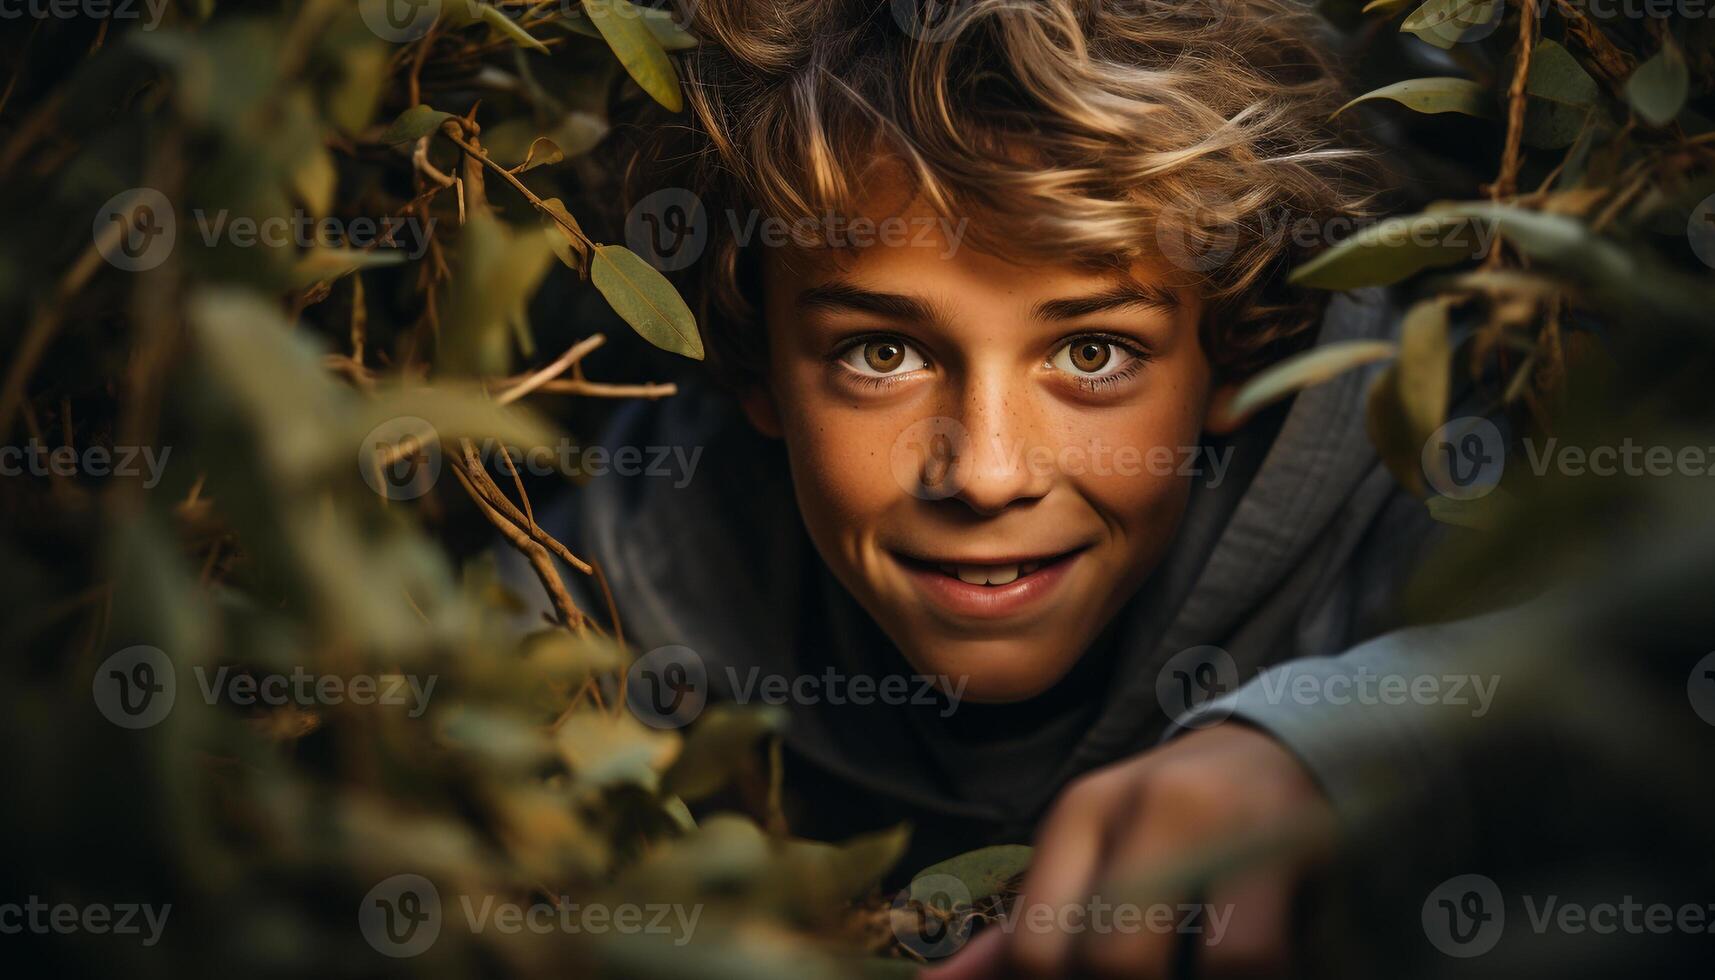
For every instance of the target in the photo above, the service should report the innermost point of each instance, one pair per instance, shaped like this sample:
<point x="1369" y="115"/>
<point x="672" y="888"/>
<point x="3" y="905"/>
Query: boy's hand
<point x="1151" y="813"/>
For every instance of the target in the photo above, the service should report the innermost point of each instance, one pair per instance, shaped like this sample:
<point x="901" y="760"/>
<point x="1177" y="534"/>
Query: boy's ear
<point x="758" y="404"/>
<point x="1218" y="420"/>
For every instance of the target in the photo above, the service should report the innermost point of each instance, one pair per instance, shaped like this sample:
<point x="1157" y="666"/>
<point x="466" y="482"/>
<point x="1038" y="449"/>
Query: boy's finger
<point x="1246" y="926"/>
<point x="1144" y="943"/>
<point x="1069" y="854"/>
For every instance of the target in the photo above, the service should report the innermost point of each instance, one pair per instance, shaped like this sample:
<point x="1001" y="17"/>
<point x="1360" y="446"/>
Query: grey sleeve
<point x="1381" y="727"/>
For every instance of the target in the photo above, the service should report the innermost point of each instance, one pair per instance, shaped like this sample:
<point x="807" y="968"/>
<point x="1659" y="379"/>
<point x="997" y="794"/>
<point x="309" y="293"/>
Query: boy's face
<point x="986" y="454"/>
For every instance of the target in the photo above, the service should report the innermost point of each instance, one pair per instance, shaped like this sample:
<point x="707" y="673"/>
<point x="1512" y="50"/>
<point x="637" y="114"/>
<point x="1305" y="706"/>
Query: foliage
<point x="269" y="369"/>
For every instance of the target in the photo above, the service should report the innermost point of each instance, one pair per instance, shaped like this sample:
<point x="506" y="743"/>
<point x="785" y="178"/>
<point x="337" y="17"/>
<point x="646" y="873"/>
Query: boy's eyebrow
<point x="839" y="295"/>
<point x="1119" y="296"/>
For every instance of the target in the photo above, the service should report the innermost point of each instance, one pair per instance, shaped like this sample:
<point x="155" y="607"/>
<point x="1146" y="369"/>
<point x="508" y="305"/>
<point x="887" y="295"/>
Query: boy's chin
<point x="990" y="671"/>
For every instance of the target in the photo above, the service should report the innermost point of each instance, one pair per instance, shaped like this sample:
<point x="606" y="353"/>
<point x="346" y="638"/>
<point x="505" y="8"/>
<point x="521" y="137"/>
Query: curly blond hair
<point x="1095" y="131"/>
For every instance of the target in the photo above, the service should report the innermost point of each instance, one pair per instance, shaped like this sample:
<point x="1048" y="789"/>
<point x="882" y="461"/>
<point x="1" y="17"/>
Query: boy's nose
<point x="1001" y="453"/>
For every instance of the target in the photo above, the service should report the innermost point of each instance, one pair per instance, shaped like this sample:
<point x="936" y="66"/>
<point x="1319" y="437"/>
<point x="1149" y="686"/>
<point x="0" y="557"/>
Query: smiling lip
<point x="1022" y="583"/>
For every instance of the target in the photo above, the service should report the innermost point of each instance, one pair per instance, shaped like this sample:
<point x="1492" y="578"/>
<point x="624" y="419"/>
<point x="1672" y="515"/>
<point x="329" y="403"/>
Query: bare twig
<point x="597" y="389"/>
<point x="563" y="363"/>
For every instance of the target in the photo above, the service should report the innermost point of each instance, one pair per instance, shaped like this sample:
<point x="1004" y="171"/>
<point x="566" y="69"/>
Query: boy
<point x="989" y="450"/>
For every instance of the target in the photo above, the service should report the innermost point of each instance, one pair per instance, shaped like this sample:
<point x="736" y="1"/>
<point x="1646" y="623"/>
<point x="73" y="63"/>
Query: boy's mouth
<point x="989" y="588"/>
<point x="991" y="574"/>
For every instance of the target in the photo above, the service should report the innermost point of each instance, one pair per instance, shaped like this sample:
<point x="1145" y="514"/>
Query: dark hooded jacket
<point x="1295" y="550"/>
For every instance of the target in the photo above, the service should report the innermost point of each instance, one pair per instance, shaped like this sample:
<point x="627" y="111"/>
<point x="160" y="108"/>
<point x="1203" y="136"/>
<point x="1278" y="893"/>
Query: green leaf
<point x="558" y="654"/>
<point x="1444" y="23"/>
<point x="1658" y="89"/>
<point x="315" y="179"/>
<point x="1390" y="431"/>
<point x="1558" y="239"/>
<point x="622" y="26"/>
<point x="414" y="124"/>
<point x="497" y="271"/>
<point x="542" y="152"/>
<point x="334" y="263"/>
<point x="1433" y="95"/>
<point x="645" y="299"/>
<point x="720" y="744"/>
<point x="983" y="872"/>
<point x="1389" y="251"/>
<point x="1562" y="95"/>
<point x="1311" y="367"/>
<point x="661" y="23"/>
<point x="497" y="19"/>
<point x="568" y="247"/>
<point x="609" y="750"/>
<point x="1424" y="367"/>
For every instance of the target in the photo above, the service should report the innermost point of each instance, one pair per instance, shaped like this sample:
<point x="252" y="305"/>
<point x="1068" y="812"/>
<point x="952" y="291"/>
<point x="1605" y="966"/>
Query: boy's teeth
<point x="984" y="574"/>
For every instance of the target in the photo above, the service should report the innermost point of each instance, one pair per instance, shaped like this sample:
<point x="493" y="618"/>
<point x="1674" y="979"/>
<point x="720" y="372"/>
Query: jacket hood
<point x="707" y="551"/>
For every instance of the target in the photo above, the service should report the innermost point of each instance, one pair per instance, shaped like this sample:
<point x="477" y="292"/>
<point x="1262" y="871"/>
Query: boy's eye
<point x="1091" y="357"/>
<point x="881" y="357"/>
